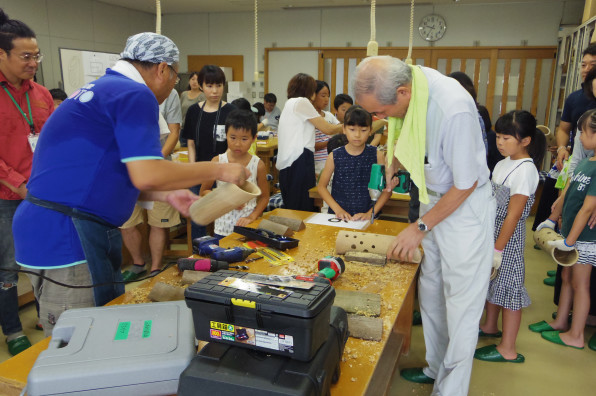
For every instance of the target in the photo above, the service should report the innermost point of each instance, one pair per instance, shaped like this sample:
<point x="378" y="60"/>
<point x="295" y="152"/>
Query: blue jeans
<point x="103" y="251"/>
<point x="9" y="299"/>
<point x="197" y="231"/>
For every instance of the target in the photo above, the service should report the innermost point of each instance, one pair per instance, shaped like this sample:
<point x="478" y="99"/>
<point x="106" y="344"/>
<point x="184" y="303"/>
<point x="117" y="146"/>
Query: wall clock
<point x="432" y="27"/>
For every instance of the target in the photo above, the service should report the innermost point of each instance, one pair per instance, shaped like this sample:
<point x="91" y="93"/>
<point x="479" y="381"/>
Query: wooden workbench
<point x="367" y="366"/>
<point x="397" y="205"/>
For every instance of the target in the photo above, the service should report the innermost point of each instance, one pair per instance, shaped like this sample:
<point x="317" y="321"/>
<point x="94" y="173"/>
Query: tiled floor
<point x="549" y="369"/>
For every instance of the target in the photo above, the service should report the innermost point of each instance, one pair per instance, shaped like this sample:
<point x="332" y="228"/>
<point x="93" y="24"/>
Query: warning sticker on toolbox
<point x="254" y="287"/>
<point x="278" y="342"/>
<point x="247" y="335"/>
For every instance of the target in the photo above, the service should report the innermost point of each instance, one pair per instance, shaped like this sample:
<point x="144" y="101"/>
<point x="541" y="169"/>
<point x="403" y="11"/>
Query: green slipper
<point x="18" y="345"/>
<point x="551" y="273"/>
<point x="554" y="315"/>
<point x="416" y="375"/>
<point x="490" y="353"/>
<point x="592" y="342"/>
<point x="416" y="318"/>
<point x="553" y="336"/>
<point x="539" y="327"/>
<point x="494" y="335"/>
<point x="550" y="281"/>
<point x="128" y="276"/>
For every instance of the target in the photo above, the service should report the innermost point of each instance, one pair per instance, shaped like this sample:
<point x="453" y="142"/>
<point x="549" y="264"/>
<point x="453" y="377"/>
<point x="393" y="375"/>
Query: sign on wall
<point x="81" y="67"/>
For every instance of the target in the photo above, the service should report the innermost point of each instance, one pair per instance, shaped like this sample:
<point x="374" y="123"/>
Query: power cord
<point x="168" y="265"/>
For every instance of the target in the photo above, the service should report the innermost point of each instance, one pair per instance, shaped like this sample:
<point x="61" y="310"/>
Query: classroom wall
<point x="91" y="25"/>
<point x="77" y="24"/>
<point x="489" y="24"/>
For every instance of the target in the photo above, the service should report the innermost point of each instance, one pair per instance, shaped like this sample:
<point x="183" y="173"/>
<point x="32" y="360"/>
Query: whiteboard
<point x="283" y="65"/>
<point x="81" y="67"/>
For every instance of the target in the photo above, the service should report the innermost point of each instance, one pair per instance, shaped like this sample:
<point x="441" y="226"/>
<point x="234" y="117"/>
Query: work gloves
<point x="561" y="244"/>
<point x="497" y="259"/>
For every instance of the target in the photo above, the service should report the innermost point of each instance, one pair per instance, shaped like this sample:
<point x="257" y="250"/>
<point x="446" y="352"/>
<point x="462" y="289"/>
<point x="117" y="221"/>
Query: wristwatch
<point x="422" y="226"/>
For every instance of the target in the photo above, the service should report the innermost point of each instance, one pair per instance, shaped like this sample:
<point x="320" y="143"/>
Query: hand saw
<point x="271" y="255"/>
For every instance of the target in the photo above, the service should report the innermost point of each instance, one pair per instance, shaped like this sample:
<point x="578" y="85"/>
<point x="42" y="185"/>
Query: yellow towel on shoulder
<point x="410" y="133"/>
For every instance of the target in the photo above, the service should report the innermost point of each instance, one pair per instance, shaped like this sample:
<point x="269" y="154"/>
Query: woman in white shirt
<point x="296" y="142"/>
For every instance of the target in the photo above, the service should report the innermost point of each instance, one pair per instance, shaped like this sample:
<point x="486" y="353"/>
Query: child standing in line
<point x="320" y="103"/>
<point x="241" y="132"/>
<point x="204" y="124"/>
<point x="350" y="166"/>
<point x="579" y="202"/>
<point x="514" y="183"/>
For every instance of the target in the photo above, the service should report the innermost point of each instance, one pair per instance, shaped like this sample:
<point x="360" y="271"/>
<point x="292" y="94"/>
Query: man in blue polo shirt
<point x="97" y="155"/>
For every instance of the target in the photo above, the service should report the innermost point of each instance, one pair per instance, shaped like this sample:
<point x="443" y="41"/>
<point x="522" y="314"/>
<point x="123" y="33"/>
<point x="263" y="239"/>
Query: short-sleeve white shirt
<point x="454" y="147"/>
<point x="523" y="180"/>
<point x="295" y="132"/>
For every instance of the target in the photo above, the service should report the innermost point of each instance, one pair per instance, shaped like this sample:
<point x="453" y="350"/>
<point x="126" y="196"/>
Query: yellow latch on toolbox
<point x="243" y="303"/>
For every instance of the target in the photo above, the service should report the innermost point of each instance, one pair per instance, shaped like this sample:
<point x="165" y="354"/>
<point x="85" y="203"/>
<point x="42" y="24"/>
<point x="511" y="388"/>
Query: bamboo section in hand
<point x="221" y="201"/>
<point x="565" y="258"/>
<point x="366" y="242"/>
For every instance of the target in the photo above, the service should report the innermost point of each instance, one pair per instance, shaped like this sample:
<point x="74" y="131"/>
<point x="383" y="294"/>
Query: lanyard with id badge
<point x="219" y="131"/>
<point x="32" y="136"/>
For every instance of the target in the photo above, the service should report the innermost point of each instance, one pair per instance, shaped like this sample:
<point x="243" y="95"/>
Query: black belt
<point x="67" y="210"/>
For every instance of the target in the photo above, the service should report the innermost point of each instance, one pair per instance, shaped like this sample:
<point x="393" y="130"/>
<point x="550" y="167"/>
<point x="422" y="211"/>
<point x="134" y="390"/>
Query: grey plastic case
<point x="136" y="349"/>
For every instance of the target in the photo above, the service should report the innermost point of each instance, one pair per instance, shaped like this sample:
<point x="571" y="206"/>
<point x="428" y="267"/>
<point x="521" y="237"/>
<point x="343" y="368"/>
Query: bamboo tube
<point x="561" y="257"/>
<point x="222" y="200"/>
<point x="368" y="243"/>
<point x="279" y="229"/>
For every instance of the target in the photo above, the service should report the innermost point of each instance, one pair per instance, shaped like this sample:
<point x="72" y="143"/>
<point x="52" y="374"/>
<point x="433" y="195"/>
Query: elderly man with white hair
<point x="96" y="155"/>
<point x="440" y="144"/>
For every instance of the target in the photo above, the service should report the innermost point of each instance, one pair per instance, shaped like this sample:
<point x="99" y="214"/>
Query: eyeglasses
<point x="28" y="58"/>
<point x="177" y="78"/>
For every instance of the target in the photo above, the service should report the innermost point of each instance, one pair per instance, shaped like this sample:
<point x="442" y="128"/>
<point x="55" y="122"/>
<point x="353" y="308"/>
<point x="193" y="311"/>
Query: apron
<point x="507" y="289"/>
<point x="102" y="245"/>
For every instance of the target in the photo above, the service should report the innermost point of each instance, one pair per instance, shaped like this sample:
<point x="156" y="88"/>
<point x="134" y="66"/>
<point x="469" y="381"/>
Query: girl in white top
<point x="241" y="132"/>
<point x="296" y="143"/>
<point x="514" y="182"/>
<point x="320" y="103"/>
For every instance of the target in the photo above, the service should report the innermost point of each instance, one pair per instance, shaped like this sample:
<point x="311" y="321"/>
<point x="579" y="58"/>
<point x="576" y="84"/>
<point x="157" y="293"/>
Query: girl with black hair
<point x="350" y="167"/>
<point x="576" y="206"/>
<point x="514" y="183"/>
<point x="204" y="125"/>
<point x="320" y="103"/>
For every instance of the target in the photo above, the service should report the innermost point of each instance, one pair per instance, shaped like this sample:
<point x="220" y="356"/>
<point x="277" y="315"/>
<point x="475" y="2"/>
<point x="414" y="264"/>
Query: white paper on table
<point x="330" y="220"/>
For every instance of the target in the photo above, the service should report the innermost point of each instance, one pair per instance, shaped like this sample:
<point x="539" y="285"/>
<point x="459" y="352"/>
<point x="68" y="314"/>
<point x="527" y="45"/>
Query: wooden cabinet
<point x="567" y="75"/>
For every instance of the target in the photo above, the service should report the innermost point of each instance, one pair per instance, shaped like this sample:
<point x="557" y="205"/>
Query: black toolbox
<point x="229" y="308"/>
<point x="225" y="370"/>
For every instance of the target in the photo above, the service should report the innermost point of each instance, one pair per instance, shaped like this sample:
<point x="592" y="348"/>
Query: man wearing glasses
<point x="24" y="108"/>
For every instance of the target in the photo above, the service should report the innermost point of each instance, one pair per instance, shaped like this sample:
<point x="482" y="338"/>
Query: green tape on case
<point x="147" y="328"/>
<point x="122" y="331"/>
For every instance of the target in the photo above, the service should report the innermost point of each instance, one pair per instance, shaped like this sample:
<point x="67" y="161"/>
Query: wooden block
<point x="368" y="258"/>
<point x="191" y="277"/>
<point x="354" y="302"/>
<point x="279" y="229"/>
<point x="365" y="327"/>
<point x="293" y="224"/>
<point x="164" y="292"/>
